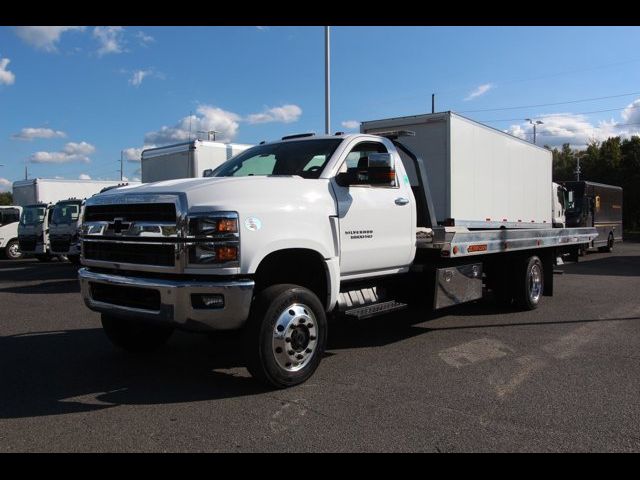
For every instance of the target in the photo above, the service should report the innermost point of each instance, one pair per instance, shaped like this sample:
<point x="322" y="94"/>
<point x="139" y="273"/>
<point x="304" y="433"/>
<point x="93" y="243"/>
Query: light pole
<point x="537" y="122"/>
<point x="327" y="78"/>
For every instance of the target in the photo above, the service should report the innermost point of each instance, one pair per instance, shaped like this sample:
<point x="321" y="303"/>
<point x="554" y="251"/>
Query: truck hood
<point x="247" y="195"/>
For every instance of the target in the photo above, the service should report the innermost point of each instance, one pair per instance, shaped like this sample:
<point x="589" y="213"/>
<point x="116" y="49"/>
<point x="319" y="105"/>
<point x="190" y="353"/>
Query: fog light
<point x="206" y="300"/>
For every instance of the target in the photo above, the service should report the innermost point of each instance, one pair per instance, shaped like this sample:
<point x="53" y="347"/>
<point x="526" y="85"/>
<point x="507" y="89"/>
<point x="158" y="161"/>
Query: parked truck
<point x="9" y="218"/>
<point x="66" y="218"/>
<point x="424" y="211"/>
<point x="186" y="160"/>
<point x="597" y="205"/>
<point x="38" y="197"/>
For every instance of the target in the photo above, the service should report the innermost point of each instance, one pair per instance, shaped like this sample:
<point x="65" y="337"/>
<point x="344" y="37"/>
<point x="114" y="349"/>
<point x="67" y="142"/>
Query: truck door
<point x="376" y="221"/>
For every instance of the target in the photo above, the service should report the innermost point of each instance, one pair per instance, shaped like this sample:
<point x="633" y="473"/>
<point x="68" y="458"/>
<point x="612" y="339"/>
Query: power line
<point x="550" y="104"/>
<point x="561" y="114"/>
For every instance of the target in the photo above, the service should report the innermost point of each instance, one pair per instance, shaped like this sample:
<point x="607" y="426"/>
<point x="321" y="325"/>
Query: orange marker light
<point x="227" y="225"/>
<point x="226" y="253"/>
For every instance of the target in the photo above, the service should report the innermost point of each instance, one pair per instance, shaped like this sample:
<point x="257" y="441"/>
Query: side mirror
<point x="377" y="169"/>
<point x="207" y="172"/>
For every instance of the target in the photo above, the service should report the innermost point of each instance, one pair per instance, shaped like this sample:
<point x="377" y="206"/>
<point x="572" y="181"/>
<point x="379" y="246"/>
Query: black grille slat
<point x="163" y="212"/>
<point x="27" y="245"/>
<point x="132" y="297"/>
<point x="60" y="245"/>
<point x="143" y="254"/>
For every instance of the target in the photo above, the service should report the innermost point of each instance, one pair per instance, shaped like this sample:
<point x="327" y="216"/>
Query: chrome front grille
<point x="135" y="232"/>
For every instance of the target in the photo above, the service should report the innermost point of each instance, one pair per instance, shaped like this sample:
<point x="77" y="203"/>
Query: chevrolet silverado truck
<point x="290" y="232"/>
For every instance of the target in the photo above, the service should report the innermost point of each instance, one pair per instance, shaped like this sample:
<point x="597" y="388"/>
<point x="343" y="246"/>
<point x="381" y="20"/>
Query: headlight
<point x="214" y="239"/>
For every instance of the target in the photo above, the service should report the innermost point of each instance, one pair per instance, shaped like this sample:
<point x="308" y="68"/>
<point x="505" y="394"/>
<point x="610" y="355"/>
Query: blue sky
<point x="72" y="98"/>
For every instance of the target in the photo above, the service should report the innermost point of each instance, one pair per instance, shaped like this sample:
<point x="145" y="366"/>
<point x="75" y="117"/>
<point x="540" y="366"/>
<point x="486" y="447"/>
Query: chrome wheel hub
<point x="295" y="337"/>
<point x="535" y="283"/>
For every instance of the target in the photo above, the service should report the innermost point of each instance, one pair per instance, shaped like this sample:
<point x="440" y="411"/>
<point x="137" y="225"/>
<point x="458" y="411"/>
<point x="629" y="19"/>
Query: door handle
<point x="402" y="201"/>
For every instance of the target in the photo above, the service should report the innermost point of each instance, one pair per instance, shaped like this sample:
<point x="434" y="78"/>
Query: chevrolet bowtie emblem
<point x="118" y="226"/>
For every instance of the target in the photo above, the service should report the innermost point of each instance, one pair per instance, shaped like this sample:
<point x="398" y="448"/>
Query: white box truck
<point x="486" y="178"/>
<point x="186" y="160"/>
<point x="289" y="232"/>
<point x="37" y="197"/>
<point x="9" y="218"/>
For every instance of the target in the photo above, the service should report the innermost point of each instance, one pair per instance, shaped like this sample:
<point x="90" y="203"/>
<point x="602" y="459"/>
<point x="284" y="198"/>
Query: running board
<point x="374" y="310"/>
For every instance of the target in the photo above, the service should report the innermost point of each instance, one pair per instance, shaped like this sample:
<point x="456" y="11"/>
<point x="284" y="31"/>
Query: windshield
<point x="32" y="215"/>
<point x="66" y="212"/>
<point x="306" y="158"/>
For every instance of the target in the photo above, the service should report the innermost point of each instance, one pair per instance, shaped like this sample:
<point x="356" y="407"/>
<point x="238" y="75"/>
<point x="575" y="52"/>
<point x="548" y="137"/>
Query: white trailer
<point x="186" y="160"/>
<point x="52" y="190"/>
<point x="485" y="178"/>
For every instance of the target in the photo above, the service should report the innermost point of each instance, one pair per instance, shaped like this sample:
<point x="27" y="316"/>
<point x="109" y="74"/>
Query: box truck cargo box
<point x="49" y="190"/>
<point x="479" y="177"/>
<point x="186" y="160"/>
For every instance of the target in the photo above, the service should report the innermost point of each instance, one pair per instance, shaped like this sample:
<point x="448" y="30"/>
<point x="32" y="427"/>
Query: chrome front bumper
<point x="175" y="300"/>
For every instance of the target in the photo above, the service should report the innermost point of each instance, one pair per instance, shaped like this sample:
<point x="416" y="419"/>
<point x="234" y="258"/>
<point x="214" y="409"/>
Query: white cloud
<point x="135" y="179"/>
<point x="82" y="148"/>
<point x="207" y="118"/>
<point x="133" y="154"/>
<point x="110" y="39"/>
<point x="72" y="152"/>
<point x="262" y="28"/>
<point x="284" y="114"/>
<point x="576" y="130"/>
<point x="30" y="133"/>
<point x="5" y="185"/>
<point x="479" y="91"/>
<point x="43" y="38"/>
<point x="144" y="39"/>
<point x="351" y="124"/>
<point x="631" y="114"/>
<point x="138" y="76"/>
<point x="84" y="176"/>
<point x="6" y="77"/>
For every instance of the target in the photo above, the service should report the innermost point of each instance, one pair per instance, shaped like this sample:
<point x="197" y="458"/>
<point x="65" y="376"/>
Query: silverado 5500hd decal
<point x="357" y="234"/>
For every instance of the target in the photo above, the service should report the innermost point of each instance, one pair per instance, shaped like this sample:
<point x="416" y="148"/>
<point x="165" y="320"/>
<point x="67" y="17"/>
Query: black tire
<point x="270" y="311"/>
<point x="582" y="250"/>
<point x="74" y="259"/>
<point x="44" y="258"/>
<point x="529" y="283"/>
<point x="135" y="336"/>
<point x="12" y="250"/>
<point x="609" y="247"/>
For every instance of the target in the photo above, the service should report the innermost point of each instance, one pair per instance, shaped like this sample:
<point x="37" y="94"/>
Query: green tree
<point x="6" y="198"/>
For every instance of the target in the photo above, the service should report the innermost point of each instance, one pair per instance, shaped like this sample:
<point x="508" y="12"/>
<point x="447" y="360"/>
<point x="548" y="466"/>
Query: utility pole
<point x="327" y="105"/>
<point x="537" y="122"/>
<point x="121" y="165"/>
<point x="577" y="171"/>
<point x="433" y="103"/>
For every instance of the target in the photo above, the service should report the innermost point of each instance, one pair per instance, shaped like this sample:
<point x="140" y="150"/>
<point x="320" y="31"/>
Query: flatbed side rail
<point x="472" y="243"/>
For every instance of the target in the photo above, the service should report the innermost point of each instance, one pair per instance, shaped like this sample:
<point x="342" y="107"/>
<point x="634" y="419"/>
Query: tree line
<point x="614" y="161"/>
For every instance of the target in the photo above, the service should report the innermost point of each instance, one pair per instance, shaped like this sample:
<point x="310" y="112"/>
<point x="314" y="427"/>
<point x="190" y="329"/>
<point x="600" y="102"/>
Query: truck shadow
<point x="621" y="266"/>
<point x="60" y="372"/>
<point x="57" y="287"/>
<point x="32" y="270"/>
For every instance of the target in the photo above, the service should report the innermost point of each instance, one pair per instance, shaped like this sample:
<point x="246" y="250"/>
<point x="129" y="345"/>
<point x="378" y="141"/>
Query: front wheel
<point x="286" y="334"/>
<point x="135" y="336"/>
<point x="609" y="247"/>
<point x="12" y="250"/>
<point x="529" y="283"/>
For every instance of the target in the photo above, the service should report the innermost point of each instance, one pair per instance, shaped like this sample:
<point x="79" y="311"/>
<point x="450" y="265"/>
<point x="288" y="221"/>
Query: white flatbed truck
<point x="290" y="232"/>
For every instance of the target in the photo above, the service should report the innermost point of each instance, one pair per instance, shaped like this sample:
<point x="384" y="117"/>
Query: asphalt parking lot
<point x="564" y="377"/>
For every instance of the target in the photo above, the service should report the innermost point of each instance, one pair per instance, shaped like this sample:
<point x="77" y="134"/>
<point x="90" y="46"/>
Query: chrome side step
<point x="375" y="309"/>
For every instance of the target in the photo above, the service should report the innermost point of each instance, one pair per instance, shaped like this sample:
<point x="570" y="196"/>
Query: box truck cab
<point x="9" y="219"/>
<point x="63" y="229"/>
<point x="559" y="200"/>
<point x="33" y="230"/>
<point x="426" y="211"/>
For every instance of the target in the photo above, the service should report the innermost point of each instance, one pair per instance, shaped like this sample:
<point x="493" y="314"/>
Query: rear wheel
<point x="609" y="247"/>
<point x="12" y="250"/>
<point x="529" y="283"/>
<point x="285" y="336"/>
<point x="133" y="335"/>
